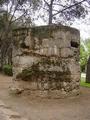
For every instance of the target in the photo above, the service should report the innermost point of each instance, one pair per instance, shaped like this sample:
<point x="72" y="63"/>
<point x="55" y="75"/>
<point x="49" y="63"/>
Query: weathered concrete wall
<point x="46" y="60"/>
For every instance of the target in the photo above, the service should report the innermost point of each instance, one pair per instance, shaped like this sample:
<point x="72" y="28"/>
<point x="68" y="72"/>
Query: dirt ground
<point x="76" y="108"/>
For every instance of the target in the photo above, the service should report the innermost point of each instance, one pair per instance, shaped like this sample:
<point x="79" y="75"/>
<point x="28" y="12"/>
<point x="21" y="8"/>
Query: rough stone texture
<point x="46" y="60"/>
<point x="88" y="71"/>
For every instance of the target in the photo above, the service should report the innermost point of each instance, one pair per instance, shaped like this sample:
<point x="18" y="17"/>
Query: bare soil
<point x="75" y="108"/>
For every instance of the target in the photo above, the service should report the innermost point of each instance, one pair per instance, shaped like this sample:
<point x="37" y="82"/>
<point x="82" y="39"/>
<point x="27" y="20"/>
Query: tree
<point x="83" y="58"/>
<point x="12" y="14"/>
<point x="84" y="53"/>
<point x="87" y="44"/>
<point x="62" y="11"/>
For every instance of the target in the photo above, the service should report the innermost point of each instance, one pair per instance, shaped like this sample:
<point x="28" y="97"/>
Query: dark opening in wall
<point x="23" y="45"/>
<point x="74" y="44"/>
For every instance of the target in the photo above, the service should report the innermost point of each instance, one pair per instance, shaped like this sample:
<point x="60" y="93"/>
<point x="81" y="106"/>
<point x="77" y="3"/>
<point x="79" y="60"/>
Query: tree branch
<point x="11" y="7"/>
<point x="69" y="7"/>
<point x="14" y="11"/>
<point x="46" y="3"/>
<point x="19" y="17"/>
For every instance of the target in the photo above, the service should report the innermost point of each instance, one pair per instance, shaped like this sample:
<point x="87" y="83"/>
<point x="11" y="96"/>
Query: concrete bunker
<point x="46" y="60"/>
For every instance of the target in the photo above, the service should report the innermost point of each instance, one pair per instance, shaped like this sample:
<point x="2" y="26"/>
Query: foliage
<point x="84" y="53"/>
<point x="8" y="69"/>
<point x="13" y="13"/>
<point x="87" y="44"/>
<point x="25" y="75"/>
<point x="83" y="58"/>
<point x="84" y="84"/>
<point x="57" y="11"/>
<point x="28" y="73"/>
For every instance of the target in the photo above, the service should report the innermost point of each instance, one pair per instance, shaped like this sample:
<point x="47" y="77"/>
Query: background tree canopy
<point x="13" y="13"/>
<point x="61" y="11"/>
<point x="84" y="53"/>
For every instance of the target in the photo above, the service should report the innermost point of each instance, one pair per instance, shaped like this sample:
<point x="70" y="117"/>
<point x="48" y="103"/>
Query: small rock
<point x="15" y="90"/>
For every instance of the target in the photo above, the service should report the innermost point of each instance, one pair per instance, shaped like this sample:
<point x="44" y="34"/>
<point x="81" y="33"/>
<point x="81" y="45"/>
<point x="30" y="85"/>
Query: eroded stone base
<point x="30" y="88"/>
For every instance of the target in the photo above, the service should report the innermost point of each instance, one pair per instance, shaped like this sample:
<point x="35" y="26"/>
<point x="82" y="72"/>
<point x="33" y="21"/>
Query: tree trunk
<point x="50" y="12"/>
<point x="50" y="16"/>
<point x="88" y="71"/>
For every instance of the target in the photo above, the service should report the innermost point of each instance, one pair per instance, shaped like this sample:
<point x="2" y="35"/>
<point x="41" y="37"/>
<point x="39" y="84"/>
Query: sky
<point x="84" y="27"/>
